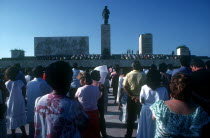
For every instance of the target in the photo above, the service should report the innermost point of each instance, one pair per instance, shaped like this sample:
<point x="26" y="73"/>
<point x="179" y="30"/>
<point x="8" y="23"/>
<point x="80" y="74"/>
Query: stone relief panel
<point x="60" y="46"/>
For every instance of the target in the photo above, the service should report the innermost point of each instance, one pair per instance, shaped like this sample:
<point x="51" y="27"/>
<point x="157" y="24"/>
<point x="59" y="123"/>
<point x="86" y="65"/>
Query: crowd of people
<point x="148" y="56"/>
<point x="127" y="56"/>
<point x="64" y="101"/>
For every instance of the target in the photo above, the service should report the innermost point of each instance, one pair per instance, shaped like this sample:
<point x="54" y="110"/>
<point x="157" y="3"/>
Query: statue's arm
<point x="103" y="13"/>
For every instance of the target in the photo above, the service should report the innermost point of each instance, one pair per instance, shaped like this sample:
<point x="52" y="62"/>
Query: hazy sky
<point x="171" y="22"/>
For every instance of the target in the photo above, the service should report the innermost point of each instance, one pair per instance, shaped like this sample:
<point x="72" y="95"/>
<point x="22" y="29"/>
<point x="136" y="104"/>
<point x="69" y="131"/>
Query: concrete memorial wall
<point x="60" y="46"/>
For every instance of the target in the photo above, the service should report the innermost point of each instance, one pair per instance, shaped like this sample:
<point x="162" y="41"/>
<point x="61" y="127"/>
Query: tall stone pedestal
<point x="105" y="41"/>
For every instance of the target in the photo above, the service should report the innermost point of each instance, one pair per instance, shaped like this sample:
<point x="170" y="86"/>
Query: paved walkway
<point x="115" y="128"/>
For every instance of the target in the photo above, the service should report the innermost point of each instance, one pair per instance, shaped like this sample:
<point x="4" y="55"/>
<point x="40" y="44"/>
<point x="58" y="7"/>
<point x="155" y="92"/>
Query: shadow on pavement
<point x="18" y="135"/>
<point x="112" y="113"/>
<point x="115" y="125"/>
<point x="112" y="104"/>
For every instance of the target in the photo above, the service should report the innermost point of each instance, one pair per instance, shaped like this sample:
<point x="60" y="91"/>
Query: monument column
<point x="105" y="40"/>
<point x="105" y="35"/>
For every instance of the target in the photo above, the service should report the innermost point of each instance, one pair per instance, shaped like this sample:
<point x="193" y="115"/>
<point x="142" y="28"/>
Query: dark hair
<point x="136" y="65"/>
<point x="153" y="67"/>
<point x="181" y="87"/>
<point x="117" y="68"/>
<point x="85" y="76"/>
<point x="75" y="65"/>
<point x="59" y="76"/>
<point x="28" y="71"/>
<point x="197" y="62"/>
<point x="170" y="66"/>
<point x="163" y="67"/>
<point x="95" y="75"/>
<point x="11" y="73"/>
<point x="153" y="79"/>
<point x="38" y="71"/>
<point x="17" y="65"/>
<point x="123" y="71"/>
<point x="185" y="61"/>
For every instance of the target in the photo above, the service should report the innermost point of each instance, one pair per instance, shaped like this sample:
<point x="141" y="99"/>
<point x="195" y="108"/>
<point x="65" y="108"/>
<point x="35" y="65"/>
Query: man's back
<point x="133" y="81"/>
<point x="132" y="86"/>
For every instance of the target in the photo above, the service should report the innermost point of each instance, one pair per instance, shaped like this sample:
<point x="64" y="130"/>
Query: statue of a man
<point x="105" y="15"/>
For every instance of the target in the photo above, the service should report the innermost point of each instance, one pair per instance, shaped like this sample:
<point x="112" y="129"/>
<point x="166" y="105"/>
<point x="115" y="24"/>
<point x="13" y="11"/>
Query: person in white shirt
<point x="16" y="116"/>
<point x="122" y="98"/>
<point x="75" y="84"/>
<point x="35" y="88"/>
<point x="28" y="76"/>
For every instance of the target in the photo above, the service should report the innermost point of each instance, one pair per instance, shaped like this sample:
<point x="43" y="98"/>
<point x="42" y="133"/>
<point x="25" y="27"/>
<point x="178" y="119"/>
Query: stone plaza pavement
<point x="115" y="128"/>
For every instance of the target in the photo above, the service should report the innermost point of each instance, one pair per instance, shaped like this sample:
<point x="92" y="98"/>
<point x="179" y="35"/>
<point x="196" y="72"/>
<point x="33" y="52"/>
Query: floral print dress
<point x="56" y="116"/>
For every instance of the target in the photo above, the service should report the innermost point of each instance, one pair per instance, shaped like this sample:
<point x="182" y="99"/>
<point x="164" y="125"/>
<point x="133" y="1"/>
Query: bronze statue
<point x="105" y="15"/>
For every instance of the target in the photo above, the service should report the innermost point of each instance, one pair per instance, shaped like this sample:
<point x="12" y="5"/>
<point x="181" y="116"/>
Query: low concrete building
<point x="17" y="53"/>
<point x="182" y="50"/>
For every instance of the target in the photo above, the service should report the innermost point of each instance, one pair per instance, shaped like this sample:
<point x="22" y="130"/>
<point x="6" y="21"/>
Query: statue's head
<point x="105" y="7"/>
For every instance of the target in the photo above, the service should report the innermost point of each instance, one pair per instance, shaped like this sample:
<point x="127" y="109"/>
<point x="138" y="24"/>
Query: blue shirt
<point x="185" y="70"/>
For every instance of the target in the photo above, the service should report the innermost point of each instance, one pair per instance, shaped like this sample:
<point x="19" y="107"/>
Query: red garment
<point x="44" y="76"/>
<point x="93" y="128"/>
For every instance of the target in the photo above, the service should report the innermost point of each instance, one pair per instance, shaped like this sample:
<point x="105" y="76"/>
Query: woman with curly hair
<point x="179" y="117"/>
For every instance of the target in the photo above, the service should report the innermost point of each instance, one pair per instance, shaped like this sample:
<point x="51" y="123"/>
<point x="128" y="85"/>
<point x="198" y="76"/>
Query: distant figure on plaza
<point x="75" y="84"/>
<point x="122" y="98"/>
<point x="105" y="15"/>
<point x="114" y="81"/>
